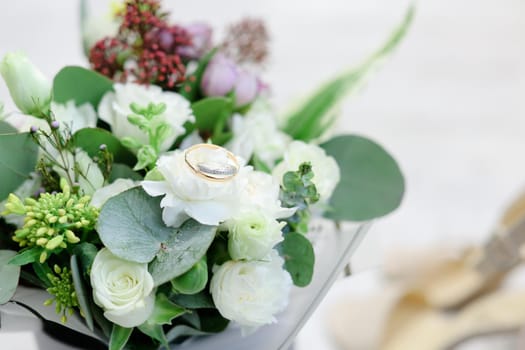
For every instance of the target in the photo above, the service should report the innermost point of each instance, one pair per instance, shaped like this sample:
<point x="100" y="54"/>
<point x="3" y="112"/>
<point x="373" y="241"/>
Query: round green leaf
<point x="181" y="251"/>
<point x="81" y="85"/>
<point x="130" y="225"/>
<point x="15" y="167"/>
<point x="90" y="140"/>
<point x="371" y="182"/>
<point x="9" y="275"/>
<point x="299" y="258"/>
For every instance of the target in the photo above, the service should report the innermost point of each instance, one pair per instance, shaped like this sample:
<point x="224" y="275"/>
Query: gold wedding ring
<point x="210" y="169"/>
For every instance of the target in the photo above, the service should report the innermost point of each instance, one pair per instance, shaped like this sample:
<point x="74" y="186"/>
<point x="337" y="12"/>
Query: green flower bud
<point x="193" y="281"/>
<point x="29" y="88"/>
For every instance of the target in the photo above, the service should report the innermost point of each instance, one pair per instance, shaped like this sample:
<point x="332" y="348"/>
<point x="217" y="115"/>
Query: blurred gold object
<point x="437" y="299"/>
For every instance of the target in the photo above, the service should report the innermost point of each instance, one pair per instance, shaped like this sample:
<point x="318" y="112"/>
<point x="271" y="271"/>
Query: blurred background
<point x="449" y="104"/>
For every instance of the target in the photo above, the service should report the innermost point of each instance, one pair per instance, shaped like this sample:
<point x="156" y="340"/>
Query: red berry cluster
<point x="145" y="48"/>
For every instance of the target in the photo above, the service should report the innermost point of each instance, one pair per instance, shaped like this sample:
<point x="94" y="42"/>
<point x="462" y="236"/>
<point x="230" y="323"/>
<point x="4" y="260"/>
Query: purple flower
<point x="200" y="34"/>
<point x="219" y="77"/>
<point x="55" y="124"/>
<point x="246" y="88"/>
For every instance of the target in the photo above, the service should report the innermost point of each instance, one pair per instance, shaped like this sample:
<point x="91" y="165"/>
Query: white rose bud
<point x="251" y="293"/>
<point x="325" y="168"/>
<point x="29" y="88"/>
<point x="114" y="109"/>
<point x="123" y="289"/>
<point x="252" y="235"/>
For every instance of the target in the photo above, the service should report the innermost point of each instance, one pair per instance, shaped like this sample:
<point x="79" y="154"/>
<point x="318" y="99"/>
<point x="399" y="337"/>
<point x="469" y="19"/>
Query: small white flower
<point x="103" y="194"/>
<point x="189" y="195"/>
<point x="251" y="293"/>
<point x="325" y="168"/>
<point x="252" y="235"/>
<point x="123" y="289"/>
<point x="29" y="88"/>
<point x="114" y="109"/>
<point x="75" y="118"/>
<point x="99" y="27"/>
<point x="257" y="133"/>
<point x="80" y="168"/>
<point x="261" y="191"/>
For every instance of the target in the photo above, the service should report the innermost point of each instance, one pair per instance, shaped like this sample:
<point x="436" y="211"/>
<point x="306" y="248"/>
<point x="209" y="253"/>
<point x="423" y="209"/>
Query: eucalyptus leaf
<point x="9" y="275"/>
<point x="80" y="85"/>
<point x="130" y="225"/>
<point x="90" y="140"/>
<point x="299" y="258"/>
<point x="6" y="128"/>
<point x="122" y="171"/>
<point x="312" y="118"/>
<point x="119" y="337"/>
<point x="371" y="184"/>
<point x="81" y="292"/>
<point x="181" y="251"/>
<point x="15" y="167"/>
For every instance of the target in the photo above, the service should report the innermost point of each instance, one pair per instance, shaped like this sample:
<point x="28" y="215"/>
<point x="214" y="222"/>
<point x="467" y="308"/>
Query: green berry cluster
<point x="63" y="292"/>
<point x="53" y="220"/>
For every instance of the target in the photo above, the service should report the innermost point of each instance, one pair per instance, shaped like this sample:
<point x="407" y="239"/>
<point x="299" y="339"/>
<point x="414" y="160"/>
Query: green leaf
<point x="165" y="311"/>
<point x="212" y="321"/>
<point x="371" y="182"/>
<point x="85" y="253"/>
<point x="90" y="139"/>
<point x="183" y="331"/>
<point x="299" y="258"/>
<point x="130" y="225"/>
<point x="200" y="300"/>
<point x="311" y="119"/>
<point x="9" y="275"/>
<point x="122" y="171"/>
<point x="27" y="256"/>
<point x="15" y="167"/>
<point x="41" y="271"/>
<point x="181" y="251"/>
<point x="154" y="331"/>
<point x="192" y="281"/>
<point x="119" y="337"/>
<point x="6" y="128"/>
<point x="191" y="87"/>
<point x="81" y="292"/>
<point x="81" y="85"/>
<point x="210" y="111"/>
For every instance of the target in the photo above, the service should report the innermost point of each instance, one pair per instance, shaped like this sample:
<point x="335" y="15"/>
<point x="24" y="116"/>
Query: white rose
<point x="325" y="168"/>
<point x="262" y="191"/>
<point x="257" y="133"/>
<point x="123" y="289"/>
<point x="103" y="194"/>
<point x="251" y="292"/>
<point x="252" y="235"/>
<point x="76" y="118"/>
<point x="114" y="109"/>
<point x="189" y="195"/>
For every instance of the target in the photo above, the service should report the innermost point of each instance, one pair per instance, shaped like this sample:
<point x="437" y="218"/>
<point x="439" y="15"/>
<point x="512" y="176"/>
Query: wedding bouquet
<point x="156" y="194"/>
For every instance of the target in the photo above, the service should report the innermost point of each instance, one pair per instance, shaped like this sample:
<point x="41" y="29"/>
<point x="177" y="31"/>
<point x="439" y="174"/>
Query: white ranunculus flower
<point x="90" y="177"/>
<point x="189" y="195"/>
<point x="251" y="293"/>
<point x="257" y="133"/>
<point x="262" y="191"/>
<point x="75" y="118"/>
<point x="123" y="289"/>
<point x="252" y="235"/>
<point x="325" y="168"/>
<point x="114" y="109"/>
<point x="103" y="194"/>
